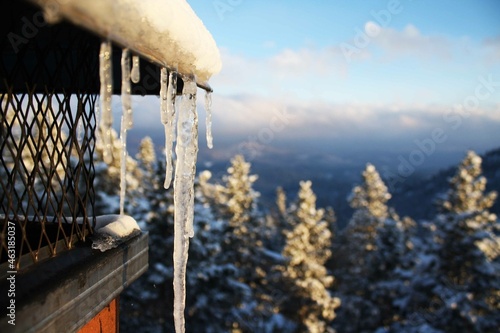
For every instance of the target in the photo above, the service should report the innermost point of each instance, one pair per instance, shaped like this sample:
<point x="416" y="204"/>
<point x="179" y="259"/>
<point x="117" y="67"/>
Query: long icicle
<point x="170" y="125"/>
<point x="164" y="119"/>
<point x="123" y="165"/>
<point x="106" y="78"/>
<point x="185" y="169"/>
<point x="126" y="90"/>
<point x="126" y="124"/>
<point x="208" y="110"/>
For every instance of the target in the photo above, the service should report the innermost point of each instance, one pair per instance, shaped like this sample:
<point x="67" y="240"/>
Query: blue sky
<point x="448" y="48"/>
<point x="371" y="75"/>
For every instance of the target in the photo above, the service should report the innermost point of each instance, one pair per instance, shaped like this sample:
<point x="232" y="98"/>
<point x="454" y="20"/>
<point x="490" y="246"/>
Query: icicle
<point x="164" y="120"/>
<point x="186" y="151"/>
<point x="126" y="90"/>
<point x="167" y="101"/>
<point x="106" y="77"/>
<point x="136" y="73"/>
<point x="208" y="110"/>
<point x="126" y="124"/>
<point x="123" y="165"/>
<point x="163" y="94"/>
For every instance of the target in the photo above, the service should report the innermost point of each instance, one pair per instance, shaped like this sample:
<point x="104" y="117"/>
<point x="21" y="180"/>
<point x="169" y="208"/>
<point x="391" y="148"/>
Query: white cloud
<point x="408" y="42"/>
<point x="247" y="114"/>
<point x="492" y="50"/>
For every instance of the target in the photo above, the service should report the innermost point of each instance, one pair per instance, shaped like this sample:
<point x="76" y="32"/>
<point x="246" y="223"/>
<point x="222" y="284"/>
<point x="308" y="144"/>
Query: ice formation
<point x="186" y="150"/>
<point x="183" y="48"/>
<point x="106" y="78"/>
<point x="136" y="72"/>
<point x="126" y="124"/>
<point x="208" y="110"/>
<point x="168" y="92"/>
<point x="126" y="90"/>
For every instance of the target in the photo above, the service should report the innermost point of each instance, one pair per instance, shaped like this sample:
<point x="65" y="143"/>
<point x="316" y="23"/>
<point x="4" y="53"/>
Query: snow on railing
<point x="166" y="32"/>
<point x="169" y="34"/>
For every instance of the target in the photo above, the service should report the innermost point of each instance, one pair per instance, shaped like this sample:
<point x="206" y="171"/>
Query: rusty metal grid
<point x="47" y="136"/>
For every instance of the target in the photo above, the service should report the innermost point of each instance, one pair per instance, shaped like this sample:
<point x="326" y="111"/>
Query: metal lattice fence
<point x="48" y="86"/>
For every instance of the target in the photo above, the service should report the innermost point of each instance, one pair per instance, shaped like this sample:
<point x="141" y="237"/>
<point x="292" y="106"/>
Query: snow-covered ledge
<point x="67" y="291"/>
<point x="166" y="32"/>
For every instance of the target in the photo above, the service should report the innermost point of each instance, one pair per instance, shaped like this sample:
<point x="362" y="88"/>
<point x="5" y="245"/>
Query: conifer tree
<point x="371" y="255"/>
<point x="372" y="195"/>
<point x="358" y="239"/>
<point x="279" y="222"/>
<point x="150" y="182"/>
<point x="146" y="155"/>
<point x="243" y="230"/>
<point x="467" y="247"/>
<point x="281" y="201"/>
<point x="240" y="196"/>
<point x="307" y="249"/>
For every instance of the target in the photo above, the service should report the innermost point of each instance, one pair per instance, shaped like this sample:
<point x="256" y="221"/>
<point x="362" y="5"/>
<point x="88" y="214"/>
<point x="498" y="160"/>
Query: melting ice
<point x="136" y="74"/>
<point x="186" y="151"/>
<point x="208" y="110"/>
<point x="126" y="124"/>
<point x="168" y="91"/>
<point x="106" y="78"/>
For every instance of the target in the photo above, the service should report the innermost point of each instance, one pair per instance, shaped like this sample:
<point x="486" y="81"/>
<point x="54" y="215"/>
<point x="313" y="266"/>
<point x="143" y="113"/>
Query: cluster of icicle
<point x="186" y="150"/>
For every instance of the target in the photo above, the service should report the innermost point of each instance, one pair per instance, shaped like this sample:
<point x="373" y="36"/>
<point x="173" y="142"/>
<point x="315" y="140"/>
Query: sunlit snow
<point x="112" y="230"/>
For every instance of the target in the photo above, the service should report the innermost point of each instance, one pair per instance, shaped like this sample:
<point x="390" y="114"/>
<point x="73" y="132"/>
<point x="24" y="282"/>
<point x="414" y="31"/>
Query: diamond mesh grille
<point x="48" y="81"/>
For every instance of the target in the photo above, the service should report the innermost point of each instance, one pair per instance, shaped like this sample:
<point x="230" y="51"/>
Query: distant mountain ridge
<point x="332" y="182"/>
<point x="417" y="198"/>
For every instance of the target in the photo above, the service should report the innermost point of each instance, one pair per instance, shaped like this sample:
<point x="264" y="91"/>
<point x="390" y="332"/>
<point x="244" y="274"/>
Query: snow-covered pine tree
<point x="240" y="200"/>
<point x="243" y="230"/>
<point x="150" y="183"/>
<point x="364" y="257"/>
<point x="147" y="156"/>
<point x="467" y="248"/>
<point x="392" y="268"/>
<point x="217" y="299"/>
<point x="281" y="201"/>
<point x="213" y="194"/>
<point x="277" y="222"/>
<point x="372" y="195"/>
<point x="307" y="249"/>
<point x="358" y="239"/>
